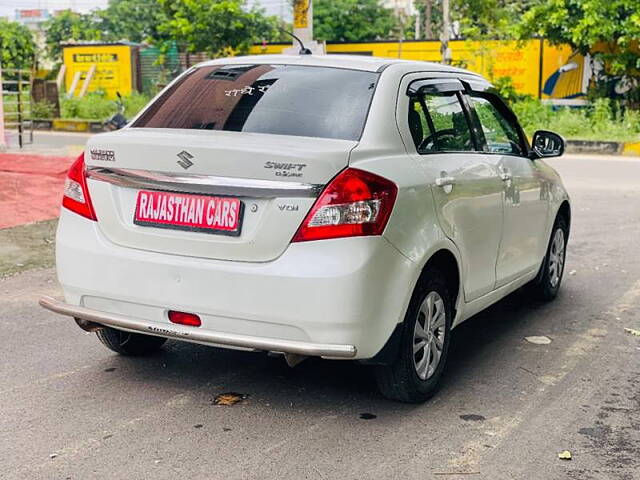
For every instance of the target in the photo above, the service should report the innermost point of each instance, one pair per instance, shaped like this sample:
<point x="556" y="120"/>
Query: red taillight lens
<point x="355" y="203"/>
<point x="182" y="318"/>
<point x="76" y="194"/>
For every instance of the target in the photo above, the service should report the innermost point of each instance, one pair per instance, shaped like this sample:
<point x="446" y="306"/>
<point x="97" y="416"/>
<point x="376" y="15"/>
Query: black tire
<point x="544" y="287"/>
<point x="132" y="344"/>
<point x="400" y="380"/>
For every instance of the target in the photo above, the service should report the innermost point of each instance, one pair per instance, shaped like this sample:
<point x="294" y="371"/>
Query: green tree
<point x="475" y="19"/>
<point x="133" y="20"/>
<point x="352" y="20"/>
<point x="490" y="19"/>
<point x="216" y="27"/>
<point x="608" y="29"/>
<point x="276" y="30"/>
<point x="68" y="26"/>
<point x="430" y="16"/>
<point x="17" y="48"/>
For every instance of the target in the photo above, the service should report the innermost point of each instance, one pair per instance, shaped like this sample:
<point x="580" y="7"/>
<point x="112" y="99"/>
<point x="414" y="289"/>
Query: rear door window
<point x="277" y="99"/>
<point x="438" y="123"/>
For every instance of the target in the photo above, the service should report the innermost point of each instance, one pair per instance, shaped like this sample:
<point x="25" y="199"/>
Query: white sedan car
<point x="336" y="206"/>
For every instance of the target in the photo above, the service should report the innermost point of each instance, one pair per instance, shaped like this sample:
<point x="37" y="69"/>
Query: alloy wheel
<point x="556" y="258"/>
<point x="428" y="335"/>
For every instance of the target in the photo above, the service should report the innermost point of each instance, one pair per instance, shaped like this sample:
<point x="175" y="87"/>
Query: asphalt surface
<point x="70" y="409"/>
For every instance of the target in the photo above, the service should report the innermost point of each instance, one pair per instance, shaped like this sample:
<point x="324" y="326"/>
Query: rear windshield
<point x="277" y="99"/>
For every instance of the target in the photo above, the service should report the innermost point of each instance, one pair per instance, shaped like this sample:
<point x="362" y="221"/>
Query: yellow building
<point x="535" y="67"/>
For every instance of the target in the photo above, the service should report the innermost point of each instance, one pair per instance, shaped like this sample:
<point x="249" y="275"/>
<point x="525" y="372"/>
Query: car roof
<point x="353" y="62"/>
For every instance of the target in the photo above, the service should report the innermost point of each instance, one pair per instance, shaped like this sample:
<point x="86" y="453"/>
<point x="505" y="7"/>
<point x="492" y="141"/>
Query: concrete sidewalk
<point x="31" y="187"/>
<point x="62" y="144"/>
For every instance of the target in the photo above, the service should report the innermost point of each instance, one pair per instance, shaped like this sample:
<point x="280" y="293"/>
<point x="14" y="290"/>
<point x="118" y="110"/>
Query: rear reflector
<point x="182" y="318"/>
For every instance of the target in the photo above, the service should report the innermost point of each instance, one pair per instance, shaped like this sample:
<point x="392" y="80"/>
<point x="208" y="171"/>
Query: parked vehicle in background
<point x="117" y="120"/>
<point x="338" y="206"/>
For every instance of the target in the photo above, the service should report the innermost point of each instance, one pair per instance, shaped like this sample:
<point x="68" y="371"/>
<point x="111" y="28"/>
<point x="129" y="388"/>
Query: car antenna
<point x="303" y="50"/>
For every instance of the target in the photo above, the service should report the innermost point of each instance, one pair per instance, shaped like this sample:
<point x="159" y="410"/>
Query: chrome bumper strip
<point x="195" y="334"/>
<point x="207" y="184"/>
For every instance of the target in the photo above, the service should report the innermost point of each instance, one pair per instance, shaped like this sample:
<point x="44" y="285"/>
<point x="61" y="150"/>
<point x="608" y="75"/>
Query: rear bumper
<point x="195" y="335"/>
<point x="338" y="298"/>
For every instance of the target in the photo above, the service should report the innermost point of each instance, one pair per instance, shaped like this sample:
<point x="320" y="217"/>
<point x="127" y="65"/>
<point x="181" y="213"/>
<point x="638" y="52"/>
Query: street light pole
<point x="303" y="28"/>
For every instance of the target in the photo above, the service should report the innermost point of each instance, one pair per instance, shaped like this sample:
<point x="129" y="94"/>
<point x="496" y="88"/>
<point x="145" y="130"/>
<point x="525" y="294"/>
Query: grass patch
<point x="96" y="106"/>
<point x="603" y="120"/>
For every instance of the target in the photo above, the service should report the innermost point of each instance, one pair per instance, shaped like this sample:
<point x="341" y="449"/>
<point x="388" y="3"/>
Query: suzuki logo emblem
<point x="185" y="159"/>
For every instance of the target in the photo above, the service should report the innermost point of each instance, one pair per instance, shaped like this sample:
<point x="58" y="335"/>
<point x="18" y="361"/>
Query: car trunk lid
<point x="275" y="177"/>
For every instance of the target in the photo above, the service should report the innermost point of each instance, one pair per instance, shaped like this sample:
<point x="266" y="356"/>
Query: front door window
<point x="500" y="134"/>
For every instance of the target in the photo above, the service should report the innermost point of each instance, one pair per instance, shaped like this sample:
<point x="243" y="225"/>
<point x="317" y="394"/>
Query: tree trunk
<point x="428" y="25"/>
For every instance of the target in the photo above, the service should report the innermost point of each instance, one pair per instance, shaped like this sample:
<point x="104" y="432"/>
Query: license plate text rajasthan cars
<point x="201" y="213"/>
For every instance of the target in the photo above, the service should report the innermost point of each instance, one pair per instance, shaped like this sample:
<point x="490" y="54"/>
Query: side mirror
<point x="546" y="144"/>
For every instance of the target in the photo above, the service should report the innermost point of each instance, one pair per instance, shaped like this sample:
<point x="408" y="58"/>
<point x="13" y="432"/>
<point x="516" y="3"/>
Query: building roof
<point x="98" y="43"/>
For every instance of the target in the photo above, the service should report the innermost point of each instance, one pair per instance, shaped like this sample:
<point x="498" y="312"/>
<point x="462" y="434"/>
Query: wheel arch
<point x="446" y="261"/>
<point x="565" y="211"/>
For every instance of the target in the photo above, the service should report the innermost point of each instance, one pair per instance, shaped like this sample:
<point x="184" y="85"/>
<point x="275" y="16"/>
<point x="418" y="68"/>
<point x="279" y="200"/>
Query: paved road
<point x="505" y="411"/>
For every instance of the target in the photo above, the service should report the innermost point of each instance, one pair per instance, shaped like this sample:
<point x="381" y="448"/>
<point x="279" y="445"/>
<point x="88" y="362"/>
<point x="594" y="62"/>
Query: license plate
<point x="196" y="213"/>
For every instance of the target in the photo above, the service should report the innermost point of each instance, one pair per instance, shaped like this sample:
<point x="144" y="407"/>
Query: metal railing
<point x="16" y="98"/>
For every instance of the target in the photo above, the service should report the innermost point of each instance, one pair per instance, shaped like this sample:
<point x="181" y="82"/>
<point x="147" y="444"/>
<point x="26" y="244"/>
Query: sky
<point x="8" y="7"/>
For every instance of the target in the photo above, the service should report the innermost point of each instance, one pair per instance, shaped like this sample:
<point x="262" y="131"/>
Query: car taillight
<point x="355" y="203"/>
<point x="76" y="194"/>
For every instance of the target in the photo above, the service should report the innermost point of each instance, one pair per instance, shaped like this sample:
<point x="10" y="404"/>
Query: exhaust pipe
<point x="88" y="326"/>
<point x="294" y="359"/>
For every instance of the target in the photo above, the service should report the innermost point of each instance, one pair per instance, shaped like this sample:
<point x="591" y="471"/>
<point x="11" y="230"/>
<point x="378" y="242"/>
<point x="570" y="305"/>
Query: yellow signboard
<point x="113" y="67"/>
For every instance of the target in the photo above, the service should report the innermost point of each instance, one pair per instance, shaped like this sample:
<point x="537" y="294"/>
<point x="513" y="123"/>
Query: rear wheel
<point x="548" y="282"/>
<point x="414" y="375"/>
<point x="126" y="343"/>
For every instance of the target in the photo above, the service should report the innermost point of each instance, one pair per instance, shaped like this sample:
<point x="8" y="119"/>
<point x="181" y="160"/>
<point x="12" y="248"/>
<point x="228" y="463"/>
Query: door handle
<point x="505" y="176"/>
<point x="444" y="181"/>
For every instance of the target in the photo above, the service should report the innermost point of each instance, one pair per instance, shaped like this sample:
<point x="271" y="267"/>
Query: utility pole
<point x="446" y="29"/>
<point x="303" y="28"/>
<point x="402" y="21"/>
<point x="303" y="20"/>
